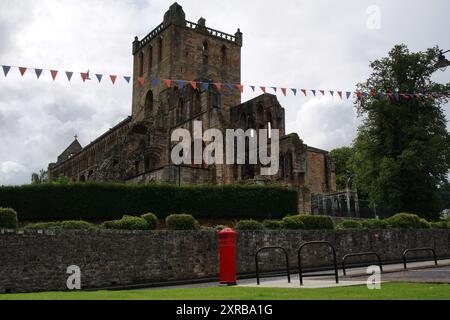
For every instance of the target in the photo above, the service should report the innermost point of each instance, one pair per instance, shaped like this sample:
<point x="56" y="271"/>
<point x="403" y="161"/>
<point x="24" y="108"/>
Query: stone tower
<point x="180" y="49"/>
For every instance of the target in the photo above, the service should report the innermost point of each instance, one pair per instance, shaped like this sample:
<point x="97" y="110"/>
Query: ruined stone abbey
<point x="138" y="149"/>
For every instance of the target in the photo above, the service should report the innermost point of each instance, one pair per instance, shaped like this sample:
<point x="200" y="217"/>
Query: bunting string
<point x="154" y="82"/>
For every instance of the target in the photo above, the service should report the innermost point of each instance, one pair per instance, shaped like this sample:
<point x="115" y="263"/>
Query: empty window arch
<point x="149" y="102"/>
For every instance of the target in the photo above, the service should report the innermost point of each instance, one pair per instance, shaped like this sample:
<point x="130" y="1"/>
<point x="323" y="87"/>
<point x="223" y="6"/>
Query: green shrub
<point x="105" y="201"/>
<point x="220" y="228"/>
<point x="317" y="222"/>
<point x="374" y="224"/>
<point x="67" y="225"/>
<point x="152" y="220"/>
<point x="8" y="218"/>
<point x="249" y="225"/>
<point x="404" y="221"/>
<point x="441" y="225"/>
<point x="132" y="223"/>
<point x="350" y="224"/>
<point x="110" y="225"/>
<point x="272" y="224"/>
<point x="43" y="225"/>
<point x="424" y="224"/>
<point x="292" y="223"/>
<point x="181" y="222"/>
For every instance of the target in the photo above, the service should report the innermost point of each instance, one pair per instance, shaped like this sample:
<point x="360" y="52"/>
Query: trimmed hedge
<point x="94" y="201"/>
<point x="317" y="222"/>
<point x="374" y="224"/>
<point x="152" y="220"/>
<point x="350" y="224"/>
<point x="272" y="224"/>
<point x="67" y="225"/>
<point x="249" y="225"/>
<point x="405" y="221"/>
<point x="8" y="218"/>
<point x="127" y="223"/>
<point x="180" y="222"/>
<point x="292" y="223"/>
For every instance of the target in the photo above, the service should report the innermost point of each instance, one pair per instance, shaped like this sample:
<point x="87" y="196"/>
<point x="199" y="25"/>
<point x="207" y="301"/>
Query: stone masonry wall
<point x="38" y="260"/>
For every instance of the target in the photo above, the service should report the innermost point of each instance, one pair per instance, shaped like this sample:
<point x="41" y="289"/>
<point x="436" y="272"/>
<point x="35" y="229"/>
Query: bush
<point x="220" y="228"/>
<point x="404" y="221"/>
<point x="272" y="224"/>
<point x="292" y="223"/>
<point x="249" y="225"/>
<point x="8" y="218"/>
<point x="441" y="225"/>
<point x="105" y="201"/>
<point x="67" y="225"/>
<point x="152" y="220"/>
<point x="110" y="225"/>
<point x="181" y="222"/>
<point x="350" y="224"/>
<point x="424" y="224"/>
<point x="317" y="222"/>
<point x="132" y="223"/>
<point x="374" y="224"/>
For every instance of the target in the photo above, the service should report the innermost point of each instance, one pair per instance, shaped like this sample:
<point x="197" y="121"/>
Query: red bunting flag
<point x="322" y="92"/>
<point x="283" y="90"/>
<point x="218" y="86"/>
<point x="358" y="94"/>
<point x="22" y="70"/>
<point x="84" y="76"/>
<point x="141" y="80"/>
<point x="168" y="82"/>
<point x="193" y="84"/>
<point x="340" y="94"/>
<point x="113" y="79"/>
<point x="240" y="87"/>
<point x="263" y="89"/>
<point x="304" y="92"/>
<point x="54" y="73"/>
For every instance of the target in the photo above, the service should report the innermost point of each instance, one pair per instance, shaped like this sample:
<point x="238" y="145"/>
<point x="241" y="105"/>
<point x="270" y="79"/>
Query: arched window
<point x="205" y="51"/>
<point x="150" y="59"/>
<point x="141" y="64"/>
<point x="214" y="97"/>
<point x="196" y="103"/>
<point x="149" y="102"/>
<point x="160" y="47"/>
<point x="223" y="54"/>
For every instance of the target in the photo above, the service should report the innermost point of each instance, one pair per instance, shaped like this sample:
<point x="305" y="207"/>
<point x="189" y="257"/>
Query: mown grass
<point x="389" y="291"/>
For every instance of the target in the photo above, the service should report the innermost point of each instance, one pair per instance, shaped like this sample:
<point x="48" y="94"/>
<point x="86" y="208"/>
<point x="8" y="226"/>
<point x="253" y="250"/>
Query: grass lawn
<point x="389" y="291"/>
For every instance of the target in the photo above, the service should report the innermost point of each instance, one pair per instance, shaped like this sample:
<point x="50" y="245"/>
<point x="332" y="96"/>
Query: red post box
<point x="227" y="255"/>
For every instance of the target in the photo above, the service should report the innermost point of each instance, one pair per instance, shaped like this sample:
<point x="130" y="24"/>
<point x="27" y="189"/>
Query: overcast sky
<point x="302" y="44"/>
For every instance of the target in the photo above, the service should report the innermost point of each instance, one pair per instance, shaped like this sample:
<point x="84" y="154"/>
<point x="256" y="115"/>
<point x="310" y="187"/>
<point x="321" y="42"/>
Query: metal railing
<point x="300" y="269"/>
<point x="272" y="248"/>
<point x="418" y="250"/>
<point x="360" y="254"/>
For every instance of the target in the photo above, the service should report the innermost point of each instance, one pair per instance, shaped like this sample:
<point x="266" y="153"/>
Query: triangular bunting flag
<point x="38" y="72"/>
<point x="314" y="92"/>
<point x="99" y="77"/>
<point x="69" y="75"/>
<point x="84" y="76"/>
<point x="294" y="91"/>
<point x="22" y="70"/>
<point x="141" y="80"/>
<point x="218" y="86"/>
<point x="240" y="87"/>
<point x="205" y="86"/>
<point x="155" y="82"/>
<point x="193" y="84"/>
<point x="113" y="79"/>
<point x="54" y="73"/>
<point x="168" y="82"/>
<point x="332" y="93"/>
<point x="6" y="70"/>
<point x="304" y="92"/>
<point x="274" y="89"/>
<point x="229" y="86"/>
<point x="127" y="79"/>
<point x="339" y="94"/>
<point x="283" y="91"/>
<point x="358" y="94"/>
<point x="322" y="92"/>
<point x="263" y="89"/>
<point x="348" y="94"/>
<point x="253" y="88"/>
<point x="181" y="83"/>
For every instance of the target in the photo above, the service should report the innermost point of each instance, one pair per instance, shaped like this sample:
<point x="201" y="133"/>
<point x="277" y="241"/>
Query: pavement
<point x="419" y="272"/>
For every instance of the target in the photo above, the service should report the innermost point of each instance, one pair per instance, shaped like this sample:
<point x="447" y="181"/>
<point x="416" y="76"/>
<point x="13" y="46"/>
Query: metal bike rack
<point x="272" y="248"/>
<point x="300" y="269"/>
<point x="417" y="250"/>
<point x="361" y="254"/>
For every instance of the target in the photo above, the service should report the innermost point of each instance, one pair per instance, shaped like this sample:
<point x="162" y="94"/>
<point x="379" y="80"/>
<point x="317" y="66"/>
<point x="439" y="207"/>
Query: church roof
<point x="72" y="149"/>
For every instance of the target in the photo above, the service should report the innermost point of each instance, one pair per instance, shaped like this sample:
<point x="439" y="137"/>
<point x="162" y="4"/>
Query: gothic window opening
<point x="149" y="102"/>
<point x="197" y="103"/>
<point x="160" y="47"/>
<point x="205" y="52"/>
<point x="223" y="53"/>
<point x="181" y="110"/>
<point x="141" y="64"/>
<point x="150" y="60"/>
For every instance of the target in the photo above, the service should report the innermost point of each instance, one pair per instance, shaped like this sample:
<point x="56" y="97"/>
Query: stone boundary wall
<point x="38" y="260"/>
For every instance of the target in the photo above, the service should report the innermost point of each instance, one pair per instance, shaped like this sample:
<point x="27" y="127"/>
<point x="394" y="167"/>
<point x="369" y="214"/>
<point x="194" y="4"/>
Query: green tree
<point x="402" y="152"/>
<point x="39" y="178"/>
<point x="62" y="179"/>
<point x="341" y="158"/>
